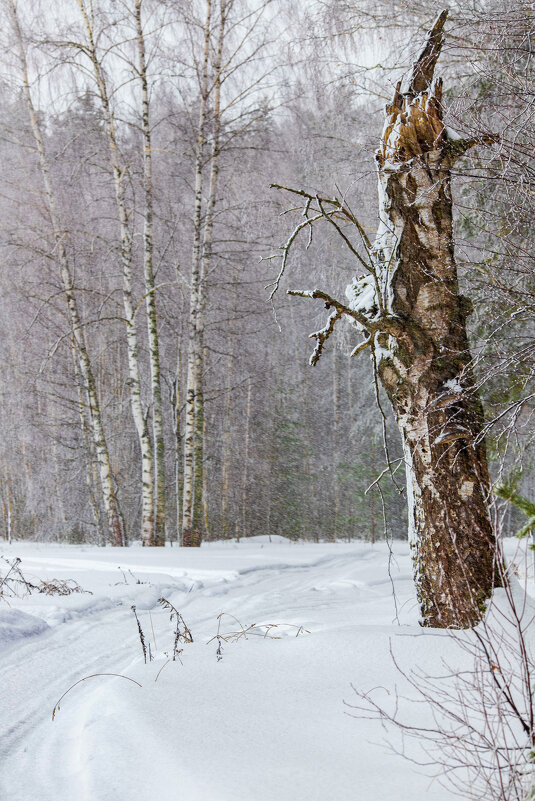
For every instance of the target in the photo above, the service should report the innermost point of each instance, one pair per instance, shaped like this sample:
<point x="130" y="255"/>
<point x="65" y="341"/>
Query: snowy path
<point x="267" y="722"/>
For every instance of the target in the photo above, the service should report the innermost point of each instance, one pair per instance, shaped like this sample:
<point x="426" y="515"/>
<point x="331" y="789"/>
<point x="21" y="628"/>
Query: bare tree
<point x="89" y="48"/>
<point x="115" y="530"/>
<point x="194" y="364"/>
<point x="150" y="291"/>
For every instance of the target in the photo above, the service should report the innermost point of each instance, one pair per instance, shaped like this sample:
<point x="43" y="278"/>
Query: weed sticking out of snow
<point x="57" y="706"/>
<point x="199" y="724"/>
<point x="141" y="635"/>
<point x="263" y="630"/>
<point x="477" y="730"/>
<point x="15" y="584"/>
<point x="181" y="630"/>
<point x="131" y="574"/>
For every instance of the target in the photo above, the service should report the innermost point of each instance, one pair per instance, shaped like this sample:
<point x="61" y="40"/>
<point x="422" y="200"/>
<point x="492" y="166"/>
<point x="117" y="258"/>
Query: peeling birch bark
<point x="425" y="370"/>
<point x="413" y="317"/>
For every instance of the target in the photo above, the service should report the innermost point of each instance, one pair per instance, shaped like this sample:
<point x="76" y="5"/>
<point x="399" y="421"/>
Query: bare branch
<point x="322" y="336"/>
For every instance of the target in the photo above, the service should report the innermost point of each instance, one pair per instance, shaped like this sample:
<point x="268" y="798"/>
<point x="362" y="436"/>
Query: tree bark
<point x="425" y="369"/>
<point x="175" y="407"/>
<point x="150" y="296"/>
<point x="413" y="317"/>
<point x="189" y="537"/>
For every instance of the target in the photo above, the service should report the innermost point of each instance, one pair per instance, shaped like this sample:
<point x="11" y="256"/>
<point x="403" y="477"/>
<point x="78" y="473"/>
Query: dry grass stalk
<point x="85" y="678"/>
<point x="257" y="629"/>
<point x="182" y="632"/>
<point x="15" y="584"/>
<point x="141" y="635"/>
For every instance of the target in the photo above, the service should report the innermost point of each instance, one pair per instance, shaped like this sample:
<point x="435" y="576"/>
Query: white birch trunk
<point x="134" y="379"/>
<point x="90" y="461"/>
<point x="115" y="529"/>
<point x="150" y="295"/>
<point x="194" y="345"/>
<point x="205" y="267"/>
<point x="175" y="404"/>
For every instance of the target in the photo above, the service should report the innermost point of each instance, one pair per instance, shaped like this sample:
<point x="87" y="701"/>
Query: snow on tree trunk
<point x="425" y="370"/>
<point x="414" y="319"/>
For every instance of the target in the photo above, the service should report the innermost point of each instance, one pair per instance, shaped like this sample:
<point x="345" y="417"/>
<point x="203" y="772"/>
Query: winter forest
<point x="266" y="353"/>
<point x="152" y="388"/>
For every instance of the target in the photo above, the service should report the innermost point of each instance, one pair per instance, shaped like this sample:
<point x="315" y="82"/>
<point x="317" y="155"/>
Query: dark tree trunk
<point x="414" y="320"/>
<point x="425" y="370"/>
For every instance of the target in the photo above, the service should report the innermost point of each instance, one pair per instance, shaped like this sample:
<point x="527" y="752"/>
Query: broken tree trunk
<point x="425" y="371"/>
<point x="414" y="320"/>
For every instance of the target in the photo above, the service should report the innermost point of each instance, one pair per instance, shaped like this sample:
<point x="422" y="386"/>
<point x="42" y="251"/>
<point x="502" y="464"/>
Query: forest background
<point x="149" y="387"/>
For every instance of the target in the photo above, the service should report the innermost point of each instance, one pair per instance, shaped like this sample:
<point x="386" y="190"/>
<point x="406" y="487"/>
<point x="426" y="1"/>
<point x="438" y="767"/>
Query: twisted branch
<point x="385" y="323"/>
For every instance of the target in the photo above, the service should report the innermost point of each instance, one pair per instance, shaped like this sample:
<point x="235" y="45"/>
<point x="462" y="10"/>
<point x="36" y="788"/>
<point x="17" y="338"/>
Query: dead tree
<point x="413" y="319"/>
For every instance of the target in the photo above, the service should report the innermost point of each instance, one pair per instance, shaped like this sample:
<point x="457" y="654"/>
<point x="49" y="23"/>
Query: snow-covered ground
<point x="271" y="720"/>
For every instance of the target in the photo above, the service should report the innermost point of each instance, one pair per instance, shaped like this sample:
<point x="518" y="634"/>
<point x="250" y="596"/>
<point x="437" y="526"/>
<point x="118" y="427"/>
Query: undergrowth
<point x="14" y="584"/>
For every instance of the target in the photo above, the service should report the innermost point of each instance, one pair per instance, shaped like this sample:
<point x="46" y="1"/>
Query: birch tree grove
<point x="119" y="175"/>
<point x="413" y="317"/>
<point x="116" y="534"/>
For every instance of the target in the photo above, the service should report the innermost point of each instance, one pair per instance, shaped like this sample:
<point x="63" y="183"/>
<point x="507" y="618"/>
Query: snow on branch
<point x="341" y="308"/>
<point x="386" y="323"/>
<point x="323" y="334"/>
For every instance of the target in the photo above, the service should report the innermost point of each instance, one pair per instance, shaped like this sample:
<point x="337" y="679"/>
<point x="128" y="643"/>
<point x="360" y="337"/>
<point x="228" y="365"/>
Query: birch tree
<point x="115" y="530"/>
<point x="195" y="333"/>
<point x="234" y="40"/>
<point x="413" y="318"/>
<point x="150" y="291"/>
<point x="211" y="78"/>
<point x="119" y="171"/>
